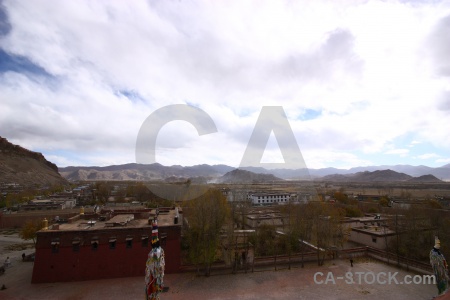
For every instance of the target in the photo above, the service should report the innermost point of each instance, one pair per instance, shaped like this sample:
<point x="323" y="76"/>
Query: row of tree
<point x="12" y="198"/>
<point x="315" y="225"/>
<point x="415" y="229"/>
<point x="213" y="223"/>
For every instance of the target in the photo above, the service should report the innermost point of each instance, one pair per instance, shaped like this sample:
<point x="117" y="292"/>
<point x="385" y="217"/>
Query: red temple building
<point x="107" y="245"/>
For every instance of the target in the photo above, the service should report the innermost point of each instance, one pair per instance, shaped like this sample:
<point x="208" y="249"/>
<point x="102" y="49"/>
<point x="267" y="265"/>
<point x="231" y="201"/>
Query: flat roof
<point x="42" y="201"/>
<point x="271" y="194"/>
<point x="373" y="231"/>
<point x="265" y="216"/>
<point x="165" y="218"/>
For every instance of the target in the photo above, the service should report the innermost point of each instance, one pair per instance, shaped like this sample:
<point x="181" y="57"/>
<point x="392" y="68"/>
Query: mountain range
<point x="19" y="165"/>
<point x="215" y="173"/>
<point x="380" y="176"/>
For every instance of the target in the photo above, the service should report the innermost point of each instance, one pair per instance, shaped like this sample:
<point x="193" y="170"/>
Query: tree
<point x="341" y="197"/>
<point x="103" y="191"/>
<point x="300" y="227"/>
<point x="237" y="244"/>
<point x="352" y="211"/>
<point x="405" y="195"/>
<point x="327" y="232"/>
<point x="139" y="191"/>
<point x="432" y="203"/>
<point x="121" y="193"/>
<point x="384" y="201"/>
<point x="205" y="216"/>
<point x="13" y="199"/>
<point x="29" y="230"/>
<point x="264" y="240"/>
<point x="415" y="227"/>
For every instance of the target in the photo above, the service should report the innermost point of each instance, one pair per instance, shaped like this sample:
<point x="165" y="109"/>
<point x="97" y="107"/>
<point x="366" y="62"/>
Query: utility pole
<point x="396" y="231"/>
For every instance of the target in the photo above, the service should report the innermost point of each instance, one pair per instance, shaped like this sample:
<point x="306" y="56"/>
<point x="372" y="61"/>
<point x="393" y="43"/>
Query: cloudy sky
<point x="362" y="83"/>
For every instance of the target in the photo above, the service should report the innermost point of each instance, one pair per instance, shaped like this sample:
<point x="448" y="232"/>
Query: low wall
<point x="409" y="264"/>
<point x="295" y="260"/>
<point x="17" y="220"/>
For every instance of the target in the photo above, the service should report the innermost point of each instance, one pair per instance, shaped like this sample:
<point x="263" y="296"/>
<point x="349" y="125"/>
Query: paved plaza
<point x="296" y="283"/>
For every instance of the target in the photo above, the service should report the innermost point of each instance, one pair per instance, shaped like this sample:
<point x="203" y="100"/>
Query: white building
<point x="269" y="198"/>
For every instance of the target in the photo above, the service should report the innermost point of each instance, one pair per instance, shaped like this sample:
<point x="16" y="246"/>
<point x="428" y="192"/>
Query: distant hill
<point x="143" y="172"/>
<point x="243" y="176"/>
<point x="379" y="176"/>
<point x="149" y="172"/>
<point x="25" y="167"/>
<point x="414" y="171"/>
<point x="425" y="178"/>
<point x="382" y="175"/>
<point x="375" y="176"/>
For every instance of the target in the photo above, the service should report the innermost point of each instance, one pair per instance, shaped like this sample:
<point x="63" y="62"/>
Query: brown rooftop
<point x="97" y="222"/>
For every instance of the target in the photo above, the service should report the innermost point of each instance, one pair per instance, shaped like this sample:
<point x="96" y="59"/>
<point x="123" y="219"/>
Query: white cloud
<point x="111" y="64"/>
<point x="443" y="160"/>
<point x="414" y="143"/>
<point x="323" y="159"/>
<point x="401" y="152"/>
<point x="427" y="156"/>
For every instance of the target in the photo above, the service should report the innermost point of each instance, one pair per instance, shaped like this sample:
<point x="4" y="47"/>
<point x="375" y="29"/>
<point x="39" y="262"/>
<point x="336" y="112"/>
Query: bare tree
<point x="206" y="216"/>
<point x="326" y="230"/>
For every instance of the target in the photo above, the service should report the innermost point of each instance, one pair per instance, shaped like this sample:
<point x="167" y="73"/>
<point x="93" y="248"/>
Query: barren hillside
<point x="25" y="167"/>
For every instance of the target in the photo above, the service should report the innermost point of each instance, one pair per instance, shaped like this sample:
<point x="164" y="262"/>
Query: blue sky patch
<point x="19" y="64"/>
<point x="132" y="95"/>
<point x="310" y="114"/>
<point x="5" y="26"/>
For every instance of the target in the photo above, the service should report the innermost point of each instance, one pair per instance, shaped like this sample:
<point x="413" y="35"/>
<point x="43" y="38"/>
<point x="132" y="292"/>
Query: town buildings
<point x="48" y="204"/>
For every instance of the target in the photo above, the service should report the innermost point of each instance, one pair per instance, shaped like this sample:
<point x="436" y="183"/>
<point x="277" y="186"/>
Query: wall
<point x="89" y="264"/>
<point x="365" y="238"/>
<point x="17" y="220"/>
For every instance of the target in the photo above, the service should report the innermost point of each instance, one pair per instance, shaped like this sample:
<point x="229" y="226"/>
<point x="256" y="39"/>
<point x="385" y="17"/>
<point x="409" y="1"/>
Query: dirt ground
<point x="296" y="283"/>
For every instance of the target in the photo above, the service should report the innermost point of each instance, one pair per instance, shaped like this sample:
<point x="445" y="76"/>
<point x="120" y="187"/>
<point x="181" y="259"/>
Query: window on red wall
<point x="94" y="245"/>
<point x="112" y="243"/>
<point x="163" y="238"/>
<point x="76" y="245"/>
<point x="129" y="242"/>
<point x="144" y="241"/>
<point x="55" y="247"/>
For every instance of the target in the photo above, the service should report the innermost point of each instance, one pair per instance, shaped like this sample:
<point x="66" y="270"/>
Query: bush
<point x="353" y="212"/>
<point x="373" y="210"/>
<point x="384" y="202"/>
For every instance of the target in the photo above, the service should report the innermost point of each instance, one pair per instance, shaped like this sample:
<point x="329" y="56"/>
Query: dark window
<point x="145" y="241"/>
<point x="129" y="242"/>
<point x="55" y="247"/>
<point x="94" y="245"/>
<point x="374" y="239"/>
<point x="163" y="238"/>
<point x="76" y="246"/>
<point x="112" y="243"/>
